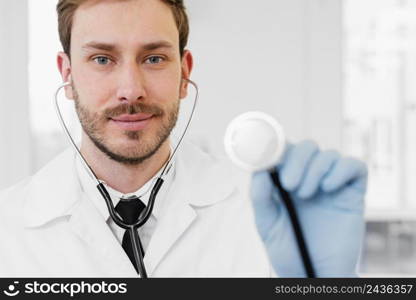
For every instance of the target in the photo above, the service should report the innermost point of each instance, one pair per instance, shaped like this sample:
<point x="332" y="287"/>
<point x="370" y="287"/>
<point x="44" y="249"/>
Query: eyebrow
<point x="157" y="45"/>
<point x="111" y="47"/>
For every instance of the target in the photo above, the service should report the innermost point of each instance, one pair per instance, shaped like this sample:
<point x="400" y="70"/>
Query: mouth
<point x="132" y="122"/>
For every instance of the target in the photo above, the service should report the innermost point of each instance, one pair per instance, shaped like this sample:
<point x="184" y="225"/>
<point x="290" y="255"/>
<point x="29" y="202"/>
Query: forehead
<point x="127" y="23"/>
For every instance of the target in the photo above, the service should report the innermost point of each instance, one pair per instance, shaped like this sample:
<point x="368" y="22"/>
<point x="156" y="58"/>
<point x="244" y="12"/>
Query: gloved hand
<point x="328" y="193"/>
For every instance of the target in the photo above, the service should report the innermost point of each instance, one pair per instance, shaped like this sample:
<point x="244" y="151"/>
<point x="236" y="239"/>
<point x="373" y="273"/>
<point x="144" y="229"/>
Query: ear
<point x="187" y="65"/>
<point x="64" y="67"/>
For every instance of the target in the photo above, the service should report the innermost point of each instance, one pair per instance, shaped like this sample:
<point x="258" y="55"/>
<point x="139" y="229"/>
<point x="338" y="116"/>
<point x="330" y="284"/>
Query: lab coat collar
<point x="55" y="189"/>
<point x="208" y="177"/>
<point x="89" y="186"/>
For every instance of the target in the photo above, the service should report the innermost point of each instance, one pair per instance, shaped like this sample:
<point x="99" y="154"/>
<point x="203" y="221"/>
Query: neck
<point x="121" y="177"/>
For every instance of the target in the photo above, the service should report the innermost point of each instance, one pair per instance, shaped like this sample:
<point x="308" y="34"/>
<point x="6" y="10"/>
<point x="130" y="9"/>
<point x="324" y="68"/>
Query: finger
<point x="261" y="187"/>
<point x="265" y="205"/>
<point x="318" y="168"/>
<point x="296" y="161"/>
<point x="345" y="171"/>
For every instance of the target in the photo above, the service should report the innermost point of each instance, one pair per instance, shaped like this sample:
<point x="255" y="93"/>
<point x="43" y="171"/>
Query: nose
<point x="131" y="83"/>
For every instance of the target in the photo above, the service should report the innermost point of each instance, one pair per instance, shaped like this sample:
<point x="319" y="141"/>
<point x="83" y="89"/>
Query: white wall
<point x="15" y="150"/>
<point x="280" y="56"/>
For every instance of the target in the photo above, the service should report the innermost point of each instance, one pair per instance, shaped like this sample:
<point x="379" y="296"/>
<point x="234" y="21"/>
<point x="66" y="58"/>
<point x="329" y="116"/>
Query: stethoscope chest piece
<point x="255" y="141"/>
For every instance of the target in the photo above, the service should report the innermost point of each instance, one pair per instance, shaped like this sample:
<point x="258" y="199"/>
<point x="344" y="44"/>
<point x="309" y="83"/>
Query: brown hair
<point x="66" y="10"/>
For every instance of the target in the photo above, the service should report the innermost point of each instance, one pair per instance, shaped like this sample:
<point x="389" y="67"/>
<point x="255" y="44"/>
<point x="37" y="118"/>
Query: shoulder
<point x="206" y="168"/>
<point x="13" y="197"/>
<point x="205" y="154"/>
<point x="13" y="192"/>
<point x="217" y="180"/>
<point x="11" y="203"/>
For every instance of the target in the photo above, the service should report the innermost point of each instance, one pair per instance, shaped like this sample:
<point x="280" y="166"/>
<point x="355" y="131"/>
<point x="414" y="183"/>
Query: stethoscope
<point x="255" y="141"/>
<point x="144" y="216"/>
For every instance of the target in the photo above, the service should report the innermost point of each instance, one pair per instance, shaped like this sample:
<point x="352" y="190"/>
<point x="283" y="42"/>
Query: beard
<point x="142" y="149"/>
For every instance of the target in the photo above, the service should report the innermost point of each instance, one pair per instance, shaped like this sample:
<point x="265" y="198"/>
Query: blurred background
<point x="340" y="72"/>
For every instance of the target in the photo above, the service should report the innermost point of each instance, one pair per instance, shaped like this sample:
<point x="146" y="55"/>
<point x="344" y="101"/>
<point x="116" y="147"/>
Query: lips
<point x="134" y="122"/>
<point x="132" y="118"/>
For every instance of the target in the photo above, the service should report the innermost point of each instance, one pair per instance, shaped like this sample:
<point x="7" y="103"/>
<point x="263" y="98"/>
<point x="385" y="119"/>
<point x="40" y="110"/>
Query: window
<point x="380" y="98"/>
<point x="380" y="125"/>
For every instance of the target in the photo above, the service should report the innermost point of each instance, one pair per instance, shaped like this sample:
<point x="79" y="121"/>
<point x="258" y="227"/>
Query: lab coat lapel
<point x="199" y="181"/>
<point x="91" y="227"/>
<point x="55" y="192"/>
<point x="167" y="233"/>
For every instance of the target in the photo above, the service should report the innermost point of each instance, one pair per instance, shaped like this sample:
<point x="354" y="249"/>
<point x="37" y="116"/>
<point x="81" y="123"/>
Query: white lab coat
<point x="48" y="228"/>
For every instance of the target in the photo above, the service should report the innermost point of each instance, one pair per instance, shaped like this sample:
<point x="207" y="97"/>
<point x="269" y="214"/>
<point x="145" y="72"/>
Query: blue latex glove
<point x="328" y="193"/>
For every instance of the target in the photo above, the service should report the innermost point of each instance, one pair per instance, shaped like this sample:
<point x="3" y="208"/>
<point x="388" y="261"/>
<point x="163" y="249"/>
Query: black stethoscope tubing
<point x="145" y="215"/>
<point x="132" y="228"/>
<point x="293" y="216"/>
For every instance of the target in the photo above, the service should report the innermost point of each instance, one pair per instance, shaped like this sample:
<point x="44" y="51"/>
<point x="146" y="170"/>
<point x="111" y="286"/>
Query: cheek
<point x="164" y="87"/>
<point x="93" y="92"/>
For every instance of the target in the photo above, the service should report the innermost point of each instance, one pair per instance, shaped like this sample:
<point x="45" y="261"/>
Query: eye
<point x="102" y="60"/>
<point x="154" y="60"/>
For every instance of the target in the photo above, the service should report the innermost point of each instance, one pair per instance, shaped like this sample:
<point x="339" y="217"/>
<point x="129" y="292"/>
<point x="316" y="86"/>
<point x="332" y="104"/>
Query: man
<point x="127" y="67"/>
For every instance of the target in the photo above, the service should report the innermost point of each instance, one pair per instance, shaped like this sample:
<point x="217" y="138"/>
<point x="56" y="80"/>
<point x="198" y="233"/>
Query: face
<point x="127" y="75"/>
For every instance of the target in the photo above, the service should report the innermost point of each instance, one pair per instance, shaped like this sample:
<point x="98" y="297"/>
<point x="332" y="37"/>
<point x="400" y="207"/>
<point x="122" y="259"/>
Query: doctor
<point x="126" y="62"/>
